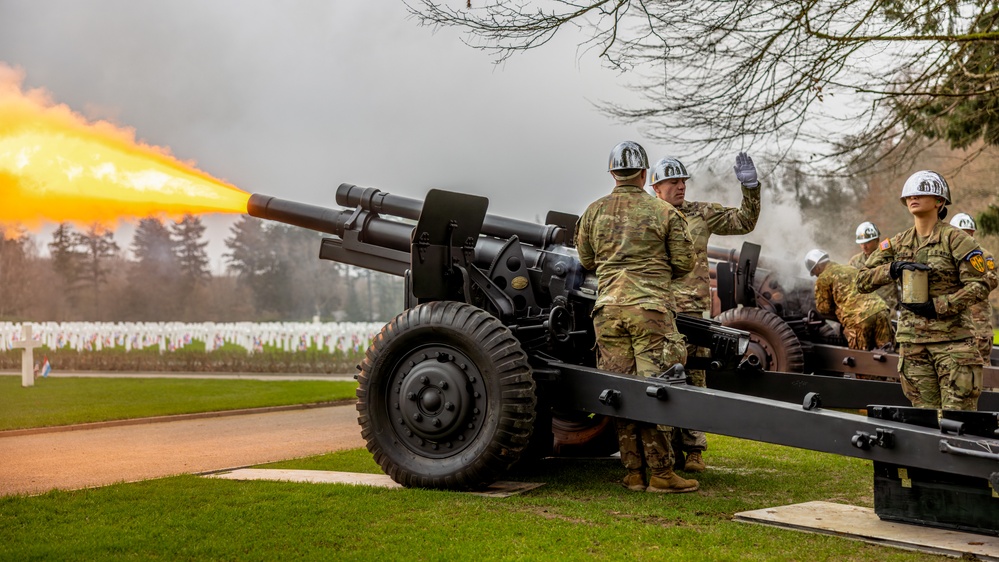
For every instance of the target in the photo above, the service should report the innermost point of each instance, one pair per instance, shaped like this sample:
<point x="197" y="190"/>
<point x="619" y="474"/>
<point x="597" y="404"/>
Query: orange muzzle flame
<point x="57" y="166"/>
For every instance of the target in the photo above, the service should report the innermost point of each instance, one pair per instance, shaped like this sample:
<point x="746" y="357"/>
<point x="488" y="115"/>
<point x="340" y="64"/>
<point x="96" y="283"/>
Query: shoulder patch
<point x="990" y="264"/>
<point x="977" y="260"/>
<point x="886" y="244"/>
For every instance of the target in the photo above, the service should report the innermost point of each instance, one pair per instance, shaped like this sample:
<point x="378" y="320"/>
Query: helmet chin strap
<point x="621" y="178"/>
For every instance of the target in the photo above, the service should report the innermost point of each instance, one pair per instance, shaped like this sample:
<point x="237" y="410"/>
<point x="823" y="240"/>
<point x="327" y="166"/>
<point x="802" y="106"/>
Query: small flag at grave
<point x="46" y="368"/>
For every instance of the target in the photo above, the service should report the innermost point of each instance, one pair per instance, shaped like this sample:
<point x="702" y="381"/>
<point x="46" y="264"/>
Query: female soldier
<point x="939" y="364"/>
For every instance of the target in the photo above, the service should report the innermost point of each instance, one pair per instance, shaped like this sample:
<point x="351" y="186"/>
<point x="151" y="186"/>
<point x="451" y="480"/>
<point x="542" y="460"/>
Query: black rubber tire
<point x="446" y="398"/>
<point x="582" y="435"/>
<point x="771" y="339"/>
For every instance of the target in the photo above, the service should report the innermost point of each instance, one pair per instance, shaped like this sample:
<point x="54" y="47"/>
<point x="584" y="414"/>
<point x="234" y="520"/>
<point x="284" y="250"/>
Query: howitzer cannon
<point x="495" y="347"/>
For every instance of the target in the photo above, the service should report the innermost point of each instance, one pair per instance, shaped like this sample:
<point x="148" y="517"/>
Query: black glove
<point x="924" y="309"/>
<point x="898" y="266"/>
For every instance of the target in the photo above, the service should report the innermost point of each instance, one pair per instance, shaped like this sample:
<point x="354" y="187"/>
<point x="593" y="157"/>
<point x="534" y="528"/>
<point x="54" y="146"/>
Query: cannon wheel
<point x="445" y="397"/>
<point x="582" y="435"/>
<point x="771" y="339"/>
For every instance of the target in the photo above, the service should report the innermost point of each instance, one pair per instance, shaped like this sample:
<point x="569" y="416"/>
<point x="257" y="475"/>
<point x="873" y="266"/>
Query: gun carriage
<point x="492" y="361"/>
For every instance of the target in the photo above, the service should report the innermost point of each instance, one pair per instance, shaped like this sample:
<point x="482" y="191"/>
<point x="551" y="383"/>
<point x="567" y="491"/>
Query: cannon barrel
<point x="376" y="201"/>
<point x="723" y="254"/>
<point x="372" y="229"/>
<point x="377" y="231"/>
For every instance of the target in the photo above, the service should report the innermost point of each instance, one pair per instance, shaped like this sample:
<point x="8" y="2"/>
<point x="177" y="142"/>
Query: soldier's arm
<point x="583" y="247"/>
<point x="972" y="268"/>
<point x="732" y="220"/>
<point x="876" y="271"/>
<point x="679" y="246"/>
<point x="823" y="298"/>
<point x="991" y="275"/>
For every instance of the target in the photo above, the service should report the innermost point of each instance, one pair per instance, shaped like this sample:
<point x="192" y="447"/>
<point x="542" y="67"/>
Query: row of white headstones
<point x="170" y="336"/>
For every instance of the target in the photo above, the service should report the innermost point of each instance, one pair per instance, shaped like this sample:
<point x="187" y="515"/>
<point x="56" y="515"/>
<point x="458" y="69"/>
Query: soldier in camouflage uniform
<point x="864" y="316"/>
<point x="981" y="313"/>
<point x="939" y="364"/>
<point x="693" y="292"/>
<point x="638" y="245"/>
<point x="867" y="237"/>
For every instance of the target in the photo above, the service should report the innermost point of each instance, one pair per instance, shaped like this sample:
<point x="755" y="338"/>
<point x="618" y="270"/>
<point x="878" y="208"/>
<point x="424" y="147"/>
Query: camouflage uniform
<point x="637" y="244"/>
<point x="940" y="366"/>
<point x="864" y="316"/>
<point x="888" y="293"/>
<point x="981" y="313"/>
<point x="693" y="292"/>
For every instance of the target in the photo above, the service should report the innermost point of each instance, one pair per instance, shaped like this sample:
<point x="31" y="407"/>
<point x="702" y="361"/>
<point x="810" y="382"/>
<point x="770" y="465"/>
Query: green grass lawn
<point x="581" y="513"/>
<point x="61" y="401"/>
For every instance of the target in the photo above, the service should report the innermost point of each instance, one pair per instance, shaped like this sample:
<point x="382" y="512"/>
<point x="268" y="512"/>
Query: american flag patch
<point x="886" y="244"/>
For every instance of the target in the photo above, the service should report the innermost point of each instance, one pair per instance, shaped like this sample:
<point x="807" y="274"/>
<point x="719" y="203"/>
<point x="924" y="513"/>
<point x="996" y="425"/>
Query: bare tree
<point x="837" y="81"/>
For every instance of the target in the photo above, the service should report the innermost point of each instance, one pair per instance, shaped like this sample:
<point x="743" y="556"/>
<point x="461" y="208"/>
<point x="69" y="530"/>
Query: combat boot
<point x="694" y="463"/>
<point x="634" y="480"/>
<point x="666" y="481"/>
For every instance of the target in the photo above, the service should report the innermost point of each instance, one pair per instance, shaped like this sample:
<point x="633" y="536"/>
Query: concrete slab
<point x="861" y="523"/>
<point x="497" y="490"/>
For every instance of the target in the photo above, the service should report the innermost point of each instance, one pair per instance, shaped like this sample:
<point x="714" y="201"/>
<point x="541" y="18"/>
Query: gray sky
<point x="292" y="98"/>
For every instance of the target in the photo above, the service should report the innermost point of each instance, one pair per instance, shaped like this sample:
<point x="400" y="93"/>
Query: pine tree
<point x="152" y="288"/>
<point x="65" y="257"/>
<point x="192" y="259"/>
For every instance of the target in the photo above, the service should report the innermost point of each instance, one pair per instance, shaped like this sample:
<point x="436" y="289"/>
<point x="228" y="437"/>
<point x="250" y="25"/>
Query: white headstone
<point x="28" y="344"/>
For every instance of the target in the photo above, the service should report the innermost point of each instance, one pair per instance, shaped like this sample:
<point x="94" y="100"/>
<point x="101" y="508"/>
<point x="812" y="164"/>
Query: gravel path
<point x="32" y="464"/>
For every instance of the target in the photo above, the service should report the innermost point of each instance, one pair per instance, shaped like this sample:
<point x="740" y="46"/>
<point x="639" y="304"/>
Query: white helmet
<point x="813" y="258"/>
<point x="628" y="155"/>
<point x="867" y="232"/>
<point x="963" y="221"/>
<point x="926" y="182"/>
<point x="667" y="169"/>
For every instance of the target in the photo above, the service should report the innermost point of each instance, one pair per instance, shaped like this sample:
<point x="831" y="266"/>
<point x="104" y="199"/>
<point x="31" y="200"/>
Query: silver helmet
<point x="628" y="155"/>
<point x="926" y="182"/>
<point x="963" y="221"/>
<point x="866" y="232"/>
<point x="813" y="258"/>
<point x="667" y="169"/>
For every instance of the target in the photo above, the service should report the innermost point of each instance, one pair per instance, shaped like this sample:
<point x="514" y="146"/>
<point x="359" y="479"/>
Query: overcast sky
<point x="292" y="98"/>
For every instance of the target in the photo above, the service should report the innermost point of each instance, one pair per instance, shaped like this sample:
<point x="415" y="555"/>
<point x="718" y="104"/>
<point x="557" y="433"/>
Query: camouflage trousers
<point x="645" y="342"/>
<point x="691" y="440"/>
<point x="871" y="332"/>
<point x="946" y="375"/>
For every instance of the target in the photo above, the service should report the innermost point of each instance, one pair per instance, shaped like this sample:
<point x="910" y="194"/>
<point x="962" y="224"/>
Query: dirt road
<point x="31" y="464"/>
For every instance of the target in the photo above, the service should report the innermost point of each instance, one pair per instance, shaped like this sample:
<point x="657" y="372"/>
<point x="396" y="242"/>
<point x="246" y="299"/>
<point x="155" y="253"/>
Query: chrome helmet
<point x="926" y="182"/>
<point x="667" y="169"/>
<point x="813" y="258"/>
<point x="963" y="221"/>
<point x="628" y="155"/>
<point x="866" y="232"/>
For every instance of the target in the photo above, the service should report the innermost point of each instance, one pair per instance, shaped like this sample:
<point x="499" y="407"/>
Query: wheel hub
<point x="439" y="401"/>
<point x="762" y="351"/>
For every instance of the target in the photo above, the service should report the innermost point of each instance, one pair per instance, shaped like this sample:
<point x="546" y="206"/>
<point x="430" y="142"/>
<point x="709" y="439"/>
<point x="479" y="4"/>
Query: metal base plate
<point x="496" y="490"/>
<point x="861" y="523"/>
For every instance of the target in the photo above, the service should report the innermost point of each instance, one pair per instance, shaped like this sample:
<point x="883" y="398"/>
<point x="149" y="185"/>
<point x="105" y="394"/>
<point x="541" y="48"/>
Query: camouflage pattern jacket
<point x="693" y="292"/>
<point x="957" y="280"/>
<point x="836" y="293"/>
<point x="638" y="244"/>
<point x="888" y="293"/>
<point x="981" y="313"/>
